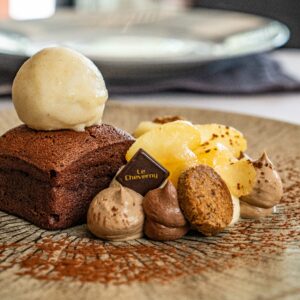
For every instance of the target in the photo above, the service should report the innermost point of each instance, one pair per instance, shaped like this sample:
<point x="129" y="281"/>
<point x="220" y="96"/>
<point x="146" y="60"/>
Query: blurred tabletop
<point x="280" y="106"/>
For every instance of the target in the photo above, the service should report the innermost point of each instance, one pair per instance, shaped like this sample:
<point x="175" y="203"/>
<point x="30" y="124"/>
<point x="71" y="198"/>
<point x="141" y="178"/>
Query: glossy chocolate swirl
<point x="164" y="219"/>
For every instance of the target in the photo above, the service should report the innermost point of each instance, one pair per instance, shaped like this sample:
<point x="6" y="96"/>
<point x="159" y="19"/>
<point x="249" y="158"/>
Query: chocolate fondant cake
<point x="50" y="177"/>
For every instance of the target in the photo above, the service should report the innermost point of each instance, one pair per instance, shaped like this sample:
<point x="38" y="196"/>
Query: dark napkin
<point x="9" y="65"/>
<point x="245" y="75"/>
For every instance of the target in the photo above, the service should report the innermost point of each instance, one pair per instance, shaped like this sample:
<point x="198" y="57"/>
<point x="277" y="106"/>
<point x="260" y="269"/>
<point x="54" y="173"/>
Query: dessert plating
<point x="64" y="165"/>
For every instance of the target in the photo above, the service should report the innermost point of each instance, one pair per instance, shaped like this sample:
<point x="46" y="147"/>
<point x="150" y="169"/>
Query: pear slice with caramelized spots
<point x="214" y="154"/>
<point x="239" y="176"/>
<point x="171" y="144"/>
<point x="144" y="127"/>
<point x="228" y="136"/>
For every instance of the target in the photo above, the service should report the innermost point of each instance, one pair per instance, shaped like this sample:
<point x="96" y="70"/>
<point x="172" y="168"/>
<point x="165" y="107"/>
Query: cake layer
<point x="82" y="170"/>
<point x="54" y="191"/>
<point x="45" y="206"/>
<point x="43" y="153"/>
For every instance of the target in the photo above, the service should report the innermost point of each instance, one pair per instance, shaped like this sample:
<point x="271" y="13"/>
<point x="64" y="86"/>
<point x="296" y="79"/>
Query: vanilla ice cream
<point x="59" y="88"/>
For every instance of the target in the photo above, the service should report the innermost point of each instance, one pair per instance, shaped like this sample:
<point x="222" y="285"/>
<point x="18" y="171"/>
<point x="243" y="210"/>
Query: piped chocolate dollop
<point x="267" y="191"/>
<point x="164" y="219"/>
<point x="116" y="214"/>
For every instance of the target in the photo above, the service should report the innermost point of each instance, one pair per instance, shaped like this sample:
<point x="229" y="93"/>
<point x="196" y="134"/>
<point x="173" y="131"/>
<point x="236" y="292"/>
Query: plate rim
<point x="281" y="37"/>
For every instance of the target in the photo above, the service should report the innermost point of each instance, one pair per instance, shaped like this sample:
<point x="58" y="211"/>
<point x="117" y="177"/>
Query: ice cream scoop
<point x="267" y="191"/>
<point x="164" y="219"/>
<point x="59" y="88"/>
<point x="116" y="214"/>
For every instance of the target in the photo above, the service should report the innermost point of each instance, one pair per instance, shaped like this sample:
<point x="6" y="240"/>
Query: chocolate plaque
<point x="142" y="173"/>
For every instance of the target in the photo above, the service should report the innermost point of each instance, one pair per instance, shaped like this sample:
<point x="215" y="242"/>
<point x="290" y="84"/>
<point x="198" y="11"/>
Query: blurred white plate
<point x="126" y="44"/>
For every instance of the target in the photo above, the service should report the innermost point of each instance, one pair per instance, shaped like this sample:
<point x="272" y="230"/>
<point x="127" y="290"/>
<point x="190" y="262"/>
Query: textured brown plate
<point x="252" y="260"/>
